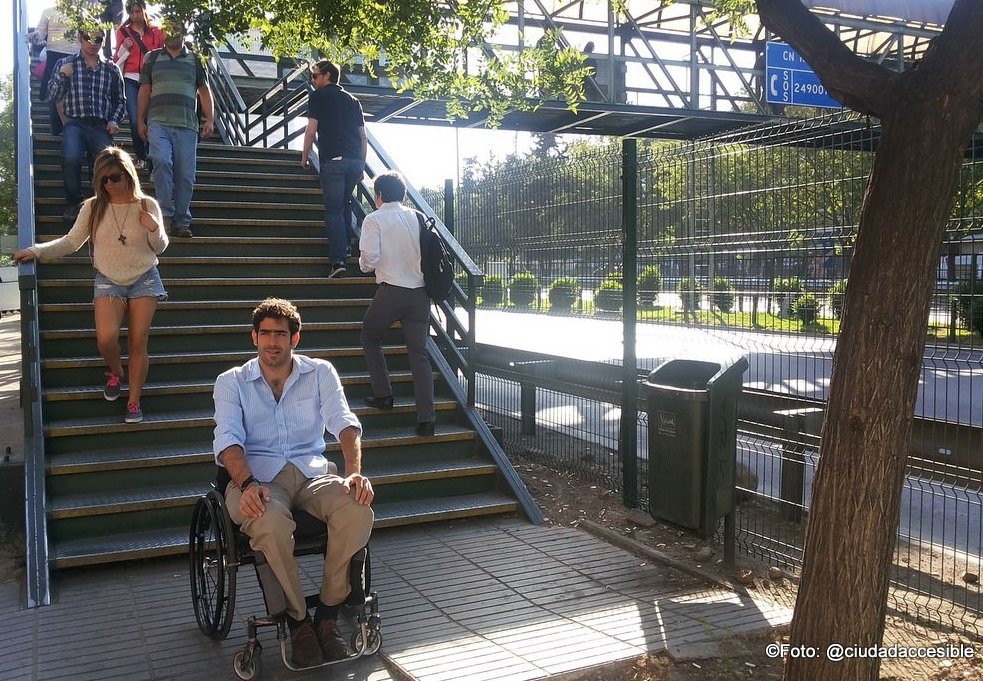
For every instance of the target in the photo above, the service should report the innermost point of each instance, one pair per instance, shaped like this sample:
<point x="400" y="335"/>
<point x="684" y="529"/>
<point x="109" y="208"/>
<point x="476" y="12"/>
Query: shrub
<point x="964" y="293"/>
<point x="523" y="288"/>
<point x="806" y="308"/>
<point x="976" y="316"/>
<point x="690" y="293"/>
<point x="723" y="294"/>
<point x="837" y="293"/>
<point x="787" y="291"/>
<point x="649" y="285"/>
<point x="608" y="296"/>
<point x="492" y="290"/>
<point x="563" y="293"/>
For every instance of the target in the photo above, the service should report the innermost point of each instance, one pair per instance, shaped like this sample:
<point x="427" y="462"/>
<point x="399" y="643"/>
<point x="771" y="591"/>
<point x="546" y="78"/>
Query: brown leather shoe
<point x="332" y="645"/>
<point x="304" y="646"/>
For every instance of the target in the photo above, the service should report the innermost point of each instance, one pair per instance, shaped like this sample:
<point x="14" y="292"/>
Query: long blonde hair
<point x="110" y="160"/>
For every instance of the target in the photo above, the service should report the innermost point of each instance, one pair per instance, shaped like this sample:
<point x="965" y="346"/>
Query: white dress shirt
<point x="390" y="246"/>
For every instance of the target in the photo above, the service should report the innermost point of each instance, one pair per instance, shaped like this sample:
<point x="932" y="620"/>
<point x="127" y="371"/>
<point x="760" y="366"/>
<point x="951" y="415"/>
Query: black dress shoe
<point x="380" y="402"/>
<point x="425" y="428"/>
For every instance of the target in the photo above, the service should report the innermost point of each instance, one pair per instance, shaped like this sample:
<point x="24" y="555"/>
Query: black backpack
<point x="435" y="261"/>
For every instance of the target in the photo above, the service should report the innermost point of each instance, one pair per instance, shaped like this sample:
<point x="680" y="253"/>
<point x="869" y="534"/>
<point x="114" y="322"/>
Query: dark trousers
<point x="338" y="180"/>
<point x="410" y="307"/>
<point x="80" y="136"/>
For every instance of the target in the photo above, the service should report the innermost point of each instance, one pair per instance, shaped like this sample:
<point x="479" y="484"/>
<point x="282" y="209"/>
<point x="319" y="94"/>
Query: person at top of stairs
<point x="270" y="418"/>
<point x="92" y="91"/>
<point x="124" y="226"/>
<point x="50" y="34"/>
<point x="171" y="83"/>
<point x="134" y="39"/>
<point x="335" y="118"/>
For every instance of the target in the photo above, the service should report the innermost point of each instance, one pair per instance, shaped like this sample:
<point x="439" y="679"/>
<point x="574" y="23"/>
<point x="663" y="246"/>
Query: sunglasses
<point x="115" y="177"/>
<point x="95" y="41"/>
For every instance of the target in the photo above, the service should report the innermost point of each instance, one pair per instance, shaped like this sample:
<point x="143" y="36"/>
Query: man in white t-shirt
<point x="390" y="247"/>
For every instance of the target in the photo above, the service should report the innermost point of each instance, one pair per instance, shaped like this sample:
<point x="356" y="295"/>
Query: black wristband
<point x="246" y="483"/>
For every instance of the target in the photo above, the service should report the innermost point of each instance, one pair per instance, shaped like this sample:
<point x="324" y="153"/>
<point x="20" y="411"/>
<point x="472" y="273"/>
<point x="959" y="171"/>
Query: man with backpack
<point x="390" y="247"/>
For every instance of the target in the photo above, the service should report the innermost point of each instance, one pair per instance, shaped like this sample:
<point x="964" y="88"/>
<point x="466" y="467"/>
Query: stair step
<point x="200" y="222"/>
<point x="142" y="499"/>
<point x="88" y="461"/>
<point x="198" y="419"/>
<point x="443" y="508"/>
<point x="94" y="392"/>
<point x="234" y="358"/>
<point x="138" y="545"/>
<point x="212" y="283"/>
<point x="203" y="330"/>
<point x="119" y="547"/>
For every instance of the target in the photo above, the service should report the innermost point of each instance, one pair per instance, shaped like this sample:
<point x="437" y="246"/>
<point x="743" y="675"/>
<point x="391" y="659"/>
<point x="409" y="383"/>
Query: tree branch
<point x="853" y="81"/>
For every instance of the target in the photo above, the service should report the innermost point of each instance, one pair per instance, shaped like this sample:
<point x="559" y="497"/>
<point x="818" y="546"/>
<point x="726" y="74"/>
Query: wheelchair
<point x="216" y="550"/>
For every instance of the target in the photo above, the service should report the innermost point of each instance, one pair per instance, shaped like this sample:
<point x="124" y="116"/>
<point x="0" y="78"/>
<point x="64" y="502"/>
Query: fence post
<point x="527" y="407"/>
<point x="449" y="205"/>
<point x="629" y="286"/>
<point x="791" y="491"/>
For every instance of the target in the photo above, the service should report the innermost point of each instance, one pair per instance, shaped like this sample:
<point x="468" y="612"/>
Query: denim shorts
<point x="147" y="285"/>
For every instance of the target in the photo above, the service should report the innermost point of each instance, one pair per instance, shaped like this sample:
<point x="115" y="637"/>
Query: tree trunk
<point x="866" y="433"/>
<point x="927" y="115"/>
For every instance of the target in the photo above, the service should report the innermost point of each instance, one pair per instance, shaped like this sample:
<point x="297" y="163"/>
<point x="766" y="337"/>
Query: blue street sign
<point x="790" y="80"/>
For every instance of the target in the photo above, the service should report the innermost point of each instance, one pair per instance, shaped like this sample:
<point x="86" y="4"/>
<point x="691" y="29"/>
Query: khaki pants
<point x="349" y="527"/>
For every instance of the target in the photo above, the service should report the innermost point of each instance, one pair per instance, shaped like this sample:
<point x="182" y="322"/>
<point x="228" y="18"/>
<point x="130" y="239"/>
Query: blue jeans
<point x="132" y="92"/>
<point x="338" y="180"/>
<point x="174" y="153"/>
<point x="79" y="137"/>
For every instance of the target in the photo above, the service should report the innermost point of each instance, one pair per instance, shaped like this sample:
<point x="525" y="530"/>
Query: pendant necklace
<point x="122" y="237"/>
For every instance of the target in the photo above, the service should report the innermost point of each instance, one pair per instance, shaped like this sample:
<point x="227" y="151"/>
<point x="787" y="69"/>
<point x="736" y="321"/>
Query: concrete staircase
<point x="119" y="491"/>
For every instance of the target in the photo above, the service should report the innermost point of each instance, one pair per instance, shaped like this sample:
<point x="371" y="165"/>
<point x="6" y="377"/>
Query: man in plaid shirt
<point x="92" y="90"/>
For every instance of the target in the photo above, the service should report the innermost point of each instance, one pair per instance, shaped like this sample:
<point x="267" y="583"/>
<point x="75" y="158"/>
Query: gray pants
<point x="410" y="307"/>
<point x="349" y="527"/>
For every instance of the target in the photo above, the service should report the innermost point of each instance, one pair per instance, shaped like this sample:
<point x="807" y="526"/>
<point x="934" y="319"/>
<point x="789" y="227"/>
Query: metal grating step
<point x="198" y="419"/>
<point x="446" y="508"/>
<point x="124" y="501"/>
<point x="87" y="461"/>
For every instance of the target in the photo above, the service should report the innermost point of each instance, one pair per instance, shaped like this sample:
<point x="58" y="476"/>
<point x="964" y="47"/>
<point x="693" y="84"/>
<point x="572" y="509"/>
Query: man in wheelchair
<point x="270" y="418"/>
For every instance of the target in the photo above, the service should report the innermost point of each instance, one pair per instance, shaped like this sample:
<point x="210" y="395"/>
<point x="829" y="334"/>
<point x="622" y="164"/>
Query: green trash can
<point x="692" y="440"/>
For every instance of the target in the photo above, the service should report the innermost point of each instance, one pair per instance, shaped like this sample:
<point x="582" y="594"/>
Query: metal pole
<point x="629" y="268"/>
<point x="449" y="205"/>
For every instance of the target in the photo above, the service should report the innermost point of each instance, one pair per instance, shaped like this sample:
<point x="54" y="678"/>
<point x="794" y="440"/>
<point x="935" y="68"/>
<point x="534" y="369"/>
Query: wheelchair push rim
<point x="213" y="565"/>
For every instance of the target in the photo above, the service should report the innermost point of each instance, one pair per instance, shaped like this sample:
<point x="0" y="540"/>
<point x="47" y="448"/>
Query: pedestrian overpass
<point x="670" y="70"/>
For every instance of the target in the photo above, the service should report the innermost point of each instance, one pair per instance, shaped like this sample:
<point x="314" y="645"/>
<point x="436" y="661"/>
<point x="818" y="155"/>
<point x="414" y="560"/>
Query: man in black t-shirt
<point x="335" y="118"/>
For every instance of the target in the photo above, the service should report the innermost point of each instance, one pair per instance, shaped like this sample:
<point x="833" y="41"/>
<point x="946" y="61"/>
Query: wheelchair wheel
<point x="213" y="566"/>
<point x="370" y="647"/>
<point x="247" y="666"/>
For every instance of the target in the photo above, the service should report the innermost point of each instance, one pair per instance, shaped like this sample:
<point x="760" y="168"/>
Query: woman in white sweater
<point x="124" y="226"/>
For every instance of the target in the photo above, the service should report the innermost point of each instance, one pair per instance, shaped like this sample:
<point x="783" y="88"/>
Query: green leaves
<point x="432" y="49"/>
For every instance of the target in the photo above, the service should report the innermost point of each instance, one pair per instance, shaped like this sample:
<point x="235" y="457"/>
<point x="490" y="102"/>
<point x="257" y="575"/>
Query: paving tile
<point x="472" y="601"/>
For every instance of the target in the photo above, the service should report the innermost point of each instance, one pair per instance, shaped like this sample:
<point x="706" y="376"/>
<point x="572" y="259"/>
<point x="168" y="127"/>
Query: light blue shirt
<point x="274" y="433"/>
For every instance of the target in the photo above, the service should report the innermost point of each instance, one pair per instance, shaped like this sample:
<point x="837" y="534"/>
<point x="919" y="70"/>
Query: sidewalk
<point x="11" y="425"/>
<point x="482" y="600"/>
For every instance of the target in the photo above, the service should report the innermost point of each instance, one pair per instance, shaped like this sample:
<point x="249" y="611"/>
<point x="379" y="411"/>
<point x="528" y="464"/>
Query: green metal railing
<point x="35" y="515"/>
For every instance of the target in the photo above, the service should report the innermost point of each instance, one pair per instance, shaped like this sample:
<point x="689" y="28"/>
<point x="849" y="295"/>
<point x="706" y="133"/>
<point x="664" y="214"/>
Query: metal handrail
<point x="35" y="511"/>
<point x="285" y="103"/>
<point x="229" y="106"/>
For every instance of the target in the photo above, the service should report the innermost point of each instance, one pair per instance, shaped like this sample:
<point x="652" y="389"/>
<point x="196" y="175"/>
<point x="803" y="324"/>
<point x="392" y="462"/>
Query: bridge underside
<point x="384" y="105"/>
